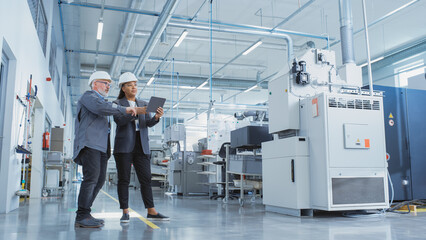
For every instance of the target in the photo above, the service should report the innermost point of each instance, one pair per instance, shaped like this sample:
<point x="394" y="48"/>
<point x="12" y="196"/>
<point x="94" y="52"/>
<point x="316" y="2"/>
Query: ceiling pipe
<point x="159" y="27"/>
<point x="192" y="81"/>
<point x="293" y="14"/>
<point x="126" y="38"/>
<point x="203" y="27"/>
<point x="274" y="46"/>
<point x="189" y="19"/>
<point x="346" y="31"/>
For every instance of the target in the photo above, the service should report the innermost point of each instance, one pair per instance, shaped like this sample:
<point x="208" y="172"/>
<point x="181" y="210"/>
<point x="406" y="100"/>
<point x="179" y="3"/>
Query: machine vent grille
<point x="358" y="104"/>
<point x="376" y="105"/>
<point x="366" y="104"/>
<point x="332" y="102"/>
<point x="354" y="191"/>
<point x="341" y="103"/>
<point x="353" y="103"/>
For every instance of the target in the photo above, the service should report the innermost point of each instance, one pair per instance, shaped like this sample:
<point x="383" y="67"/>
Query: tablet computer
<point x="154" y="103"/>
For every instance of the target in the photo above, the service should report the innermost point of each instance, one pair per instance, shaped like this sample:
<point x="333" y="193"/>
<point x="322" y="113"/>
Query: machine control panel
<point x="356" y="136"/>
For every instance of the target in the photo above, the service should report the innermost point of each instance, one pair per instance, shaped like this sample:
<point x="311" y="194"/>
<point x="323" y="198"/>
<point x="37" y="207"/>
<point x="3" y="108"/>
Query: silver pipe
<point x="238" y="31"/>
<point x="126" y="38"/>
<point x="346" y="31"/>
<point x="180" y="61"/>
<point x="159" y="27"/>
<point x="310" y="44"/>
<point x="367" y="43"/>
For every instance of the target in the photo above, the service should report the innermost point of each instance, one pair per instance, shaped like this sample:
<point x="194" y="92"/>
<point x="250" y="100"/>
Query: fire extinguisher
<point x="46" y="141"/>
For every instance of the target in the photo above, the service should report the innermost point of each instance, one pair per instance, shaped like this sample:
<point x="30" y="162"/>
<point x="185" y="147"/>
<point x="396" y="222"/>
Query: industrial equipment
<point x="243" y="158"/>
<point x="183" y="177"/>
<point x="328" y="151"/>
<point x="54" y="175"/>
<point x="404" y="115"/>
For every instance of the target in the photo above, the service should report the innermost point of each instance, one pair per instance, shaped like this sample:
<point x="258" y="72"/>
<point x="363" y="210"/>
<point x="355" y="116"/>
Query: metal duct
<point x="346" y="31"/>
<point x="159" y="27"/>
<point x="126" y="38"/>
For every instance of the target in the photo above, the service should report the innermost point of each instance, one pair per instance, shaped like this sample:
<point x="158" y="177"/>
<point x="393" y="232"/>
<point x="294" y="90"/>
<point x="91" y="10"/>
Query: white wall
<point x="18" y="32"/>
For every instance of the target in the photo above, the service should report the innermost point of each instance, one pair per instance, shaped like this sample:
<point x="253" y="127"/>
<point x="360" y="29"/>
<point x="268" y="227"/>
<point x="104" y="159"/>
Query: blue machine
<point x="405" y="120"/>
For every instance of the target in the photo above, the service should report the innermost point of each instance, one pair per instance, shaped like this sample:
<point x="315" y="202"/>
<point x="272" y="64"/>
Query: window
<point x="408" y="71"/>
<point x="57" y="83"/>
<point x="40" y="21"/>
<point x="52" y="57"/>
<point x="62" y="102"/>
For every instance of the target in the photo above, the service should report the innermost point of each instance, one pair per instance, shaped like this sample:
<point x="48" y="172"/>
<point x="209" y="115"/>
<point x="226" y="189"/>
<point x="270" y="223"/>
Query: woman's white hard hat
<point x="127" y="77"/>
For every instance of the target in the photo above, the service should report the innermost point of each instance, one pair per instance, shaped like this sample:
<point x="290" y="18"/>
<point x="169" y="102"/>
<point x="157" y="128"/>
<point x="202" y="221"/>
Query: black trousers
<point x="142" y="164"/>
<point x="94" y="165"/>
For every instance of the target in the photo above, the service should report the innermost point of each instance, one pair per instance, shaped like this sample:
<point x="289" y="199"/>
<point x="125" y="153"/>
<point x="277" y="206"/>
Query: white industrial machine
<point x="183" y="168"/>
<point x="328" y="151"/>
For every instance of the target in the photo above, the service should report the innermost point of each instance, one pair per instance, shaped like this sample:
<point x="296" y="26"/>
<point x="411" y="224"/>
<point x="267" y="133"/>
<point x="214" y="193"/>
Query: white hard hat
<point x="101" y="75"/>
<point x="126" y="77"/>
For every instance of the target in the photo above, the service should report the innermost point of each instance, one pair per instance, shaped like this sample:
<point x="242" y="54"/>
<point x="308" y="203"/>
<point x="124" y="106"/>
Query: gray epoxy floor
<point x="197" y="218"/>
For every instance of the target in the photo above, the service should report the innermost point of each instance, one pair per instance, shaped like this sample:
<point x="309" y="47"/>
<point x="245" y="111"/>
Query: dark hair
<point x="121" y="94"/>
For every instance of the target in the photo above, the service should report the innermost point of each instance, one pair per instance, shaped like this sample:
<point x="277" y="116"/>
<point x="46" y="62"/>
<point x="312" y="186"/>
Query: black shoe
<point x="87" y="223"/>
<point x="125" y="218"/>
<point x="101" y="221"/>
<point x="158" y="217"/>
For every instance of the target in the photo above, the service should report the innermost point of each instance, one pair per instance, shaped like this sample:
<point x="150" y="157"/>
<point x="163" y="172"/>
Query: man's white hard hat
<point x="99" y="75"/>
<point x="126" y="77"/>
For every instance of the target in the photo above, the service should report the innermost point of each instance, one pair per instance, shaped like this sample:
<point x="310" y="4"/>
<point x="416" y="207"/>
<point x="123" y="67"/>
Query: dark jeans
<point x="94" y="165"/>
<point x="142" y="164"/>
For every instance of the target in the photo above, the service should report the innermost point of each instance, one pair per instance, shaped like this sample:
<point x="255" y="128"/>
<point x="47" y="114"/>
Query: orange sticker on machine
<point x="315" y="112"/>
<point x="367" y="143"/>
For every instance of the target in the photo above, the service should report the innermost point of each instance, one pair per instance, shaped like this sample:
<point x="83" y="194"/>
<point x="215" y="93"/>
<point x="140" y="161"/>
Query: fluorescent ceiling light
<point x="248" y="90"/>
<point x="186" y="87"/>
<point x="254" y="46"/>
<point x="100" y="29"/>
<point x="202" y="85"/>
<point x="150" y="80"/>
<point x="181" y="38"/>
<point x="373" y="61"/>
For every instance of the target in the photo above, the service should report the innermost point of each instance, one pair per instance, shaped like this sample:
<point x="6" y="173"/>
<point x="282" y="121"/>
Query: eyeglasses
<point x="107" y="84"/>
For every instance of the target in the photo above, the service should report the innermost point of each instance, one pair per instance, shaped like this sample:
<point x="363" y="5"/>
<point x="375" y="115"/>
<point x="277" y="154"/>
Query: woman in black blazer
<point x="132" y="146"/>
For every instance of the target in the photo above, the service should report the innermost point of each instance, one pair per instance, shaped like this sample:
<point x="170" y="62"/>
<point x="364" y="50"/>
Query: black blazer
<point x="126" y="130"/>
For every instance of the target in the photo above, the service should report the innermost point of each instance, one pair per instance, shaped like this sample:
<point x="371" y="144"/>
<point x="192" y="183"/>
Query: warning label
<point x="390" y="115"/>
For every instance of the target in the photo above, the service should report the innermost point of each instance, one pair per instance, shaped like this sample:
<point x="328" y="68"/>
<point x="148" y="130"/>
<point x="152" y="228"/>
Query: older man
<point x="91" y="143"/>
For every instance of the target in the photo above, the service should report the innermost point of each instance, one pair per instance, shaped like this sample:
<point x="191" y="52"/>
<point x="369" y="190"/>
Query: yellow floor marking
<point x="152" y="225"/>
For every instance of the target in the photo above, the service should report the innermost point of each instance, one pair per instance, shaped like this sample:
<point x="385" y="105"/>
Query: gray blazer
<point x="91" y="123"/>
<point x="126" y="130"/>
